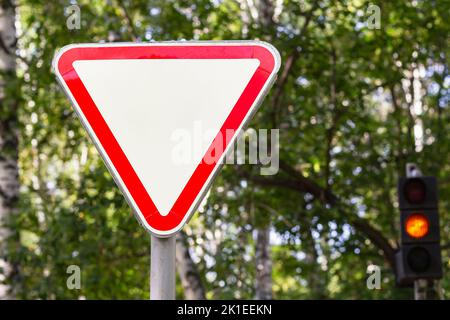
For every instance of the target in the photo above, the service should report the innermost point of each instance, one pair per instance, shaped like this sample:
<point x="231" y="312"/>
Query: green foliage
<point x="340" y="127"/>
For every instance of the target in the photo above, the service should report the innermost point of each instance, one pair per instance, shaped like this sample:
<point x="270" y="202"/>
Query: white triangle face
<point x="156" y="108"/>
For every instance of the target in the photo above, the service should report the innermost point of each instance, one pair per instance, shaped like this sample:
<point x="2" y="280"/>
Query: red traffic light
<point x="415" y="191"/>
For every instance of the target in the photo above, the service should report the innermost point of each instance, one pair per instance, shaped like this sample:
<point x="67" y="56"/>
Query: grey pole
<point x="162" y="268"/>
<point x="420" y="289"/>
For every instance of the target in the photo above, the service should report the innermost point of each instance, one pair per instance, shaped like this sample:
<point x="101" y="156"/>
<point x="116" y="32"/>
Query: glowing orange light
<point x="417" y="225"/>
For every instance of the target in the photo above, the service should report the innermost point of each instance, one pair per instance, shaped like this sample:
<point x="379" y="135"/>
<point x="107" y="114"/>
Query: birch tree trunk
<point x="263" y="258"/>
<point x="9" y="183"/>
<point x="263" y="281"/>
<point x="187" y="270"/>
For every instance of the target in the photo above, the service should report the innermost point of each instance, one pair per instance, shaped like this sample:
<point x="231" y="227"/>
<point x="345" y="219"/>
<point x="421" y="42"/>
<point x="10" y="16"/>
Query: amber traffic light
<point x="417" y="225"/>
<point x="419" y="255"/>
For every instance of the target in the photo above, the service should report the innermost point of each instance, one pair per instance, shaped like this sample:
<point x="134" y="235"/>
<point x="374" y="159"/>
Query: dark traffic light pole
<point x="419" y="256"/>
<point x="420" y="285"/>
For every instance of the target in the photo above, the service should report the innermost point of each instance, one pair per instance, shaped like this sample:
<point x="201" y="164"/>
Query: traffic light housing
<point x="419" y="256"/>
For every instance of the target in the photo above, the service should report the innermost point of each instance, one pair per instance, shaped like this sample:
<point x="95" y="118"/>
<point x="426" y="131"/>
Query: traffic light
<point x="419" y="256"/>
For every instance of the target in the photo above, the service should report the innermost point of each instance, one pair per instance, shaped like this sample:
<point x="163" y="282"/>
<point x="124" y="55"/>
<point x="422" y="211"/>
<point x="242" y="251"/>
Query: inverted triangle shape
<point x="138" y="100"/>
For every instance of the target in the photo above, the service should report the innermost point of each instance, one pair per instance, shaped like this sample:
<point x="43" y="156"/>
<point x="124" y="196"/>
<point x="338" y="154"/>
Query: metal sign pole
<point x="162" y="268"/>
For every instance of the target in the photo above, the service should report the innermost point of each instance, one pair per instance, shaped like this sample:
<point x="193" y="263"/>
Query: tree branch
<point x="297" y="182"/>
<point x="131" y="28"/>
<point x="290" y="62"/>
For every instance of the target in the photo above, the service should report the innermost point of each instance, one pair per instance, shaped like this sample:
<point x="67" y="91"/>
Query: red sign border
<point x="109" y="148"/>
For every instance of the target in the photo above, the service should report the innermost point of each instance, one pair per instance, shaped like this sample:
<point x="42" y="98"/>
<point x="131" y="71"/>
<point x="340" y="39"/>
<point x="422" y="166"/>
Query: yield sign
<point x="139" y="102"/>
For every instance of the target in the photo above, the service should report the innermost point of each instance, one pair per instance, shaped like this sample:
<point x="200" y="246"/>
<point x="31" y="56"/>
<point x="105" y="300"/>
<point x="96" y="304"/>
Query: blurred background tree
<point x="353" y="104"/>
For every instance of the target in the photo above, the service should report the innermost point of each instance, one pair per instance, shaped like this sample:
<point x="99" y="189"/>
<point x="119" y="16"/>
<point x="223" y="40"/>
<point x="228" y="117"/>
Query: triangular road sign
<point x="139" y="101"/>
